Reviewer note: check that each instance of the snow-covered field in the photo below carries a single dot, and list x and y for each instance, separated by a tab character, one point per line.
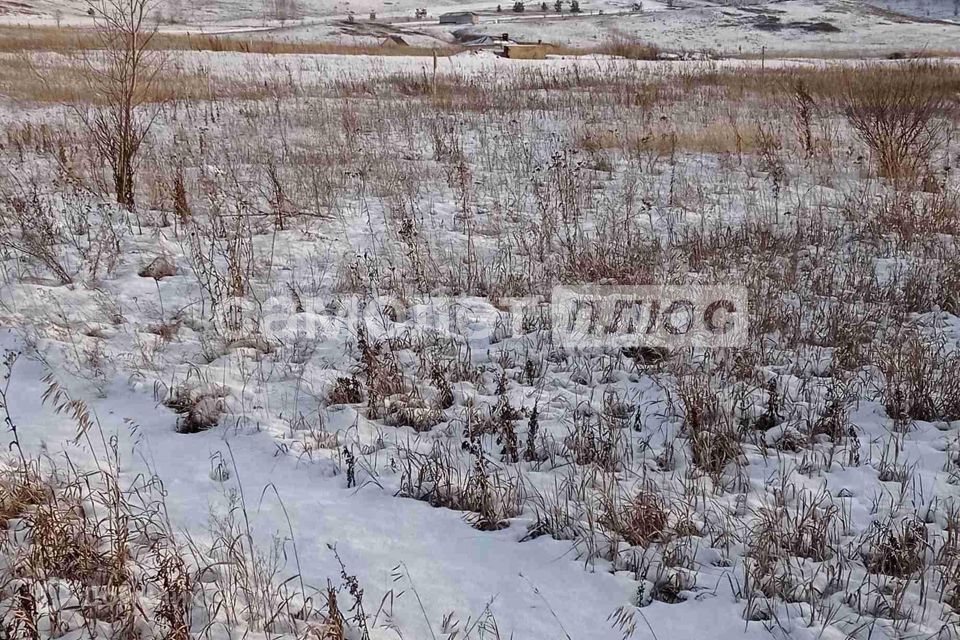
301	348
809	27
932	9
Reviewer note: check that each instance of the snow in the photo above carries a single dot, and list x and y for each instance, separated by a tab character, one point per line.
859	28
281	441
536	589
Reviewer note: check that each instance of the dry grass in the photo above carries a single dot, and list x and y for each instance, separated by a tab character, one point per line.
82	550
61	81
619	45
21	39
489	497
825	82
715	138
898	53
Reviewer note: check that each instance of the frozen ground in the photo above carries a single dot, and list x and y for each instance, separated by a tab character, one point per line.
455	568
803	485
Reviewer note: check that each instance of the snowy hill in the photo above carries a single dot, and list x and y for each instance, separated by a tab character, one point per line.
850	27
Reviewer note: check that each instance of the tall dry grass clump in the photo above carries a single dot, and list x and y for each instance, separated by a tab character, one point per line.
87	553
631	48
17	39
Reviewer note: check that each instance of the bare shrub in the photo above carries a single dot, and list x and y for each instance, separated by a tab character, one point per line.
122	72
902	113
40	234
69	233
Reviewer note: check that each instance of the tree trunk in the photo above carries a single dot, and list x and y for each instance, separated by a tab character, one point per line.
123	179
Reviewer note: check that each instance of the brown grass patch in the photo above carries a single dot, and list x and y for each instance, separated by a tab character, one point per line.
714	138
18	39
618	45
61	81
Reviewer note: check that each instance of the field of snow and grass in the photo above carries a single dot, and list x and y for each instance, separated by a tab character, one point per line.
288	392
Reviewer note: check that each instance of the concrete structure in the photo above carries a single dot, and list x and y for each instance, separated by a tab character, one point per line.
459	17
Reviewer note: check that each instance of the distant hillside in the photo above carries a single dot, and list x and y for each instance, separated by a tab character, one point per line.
934	9
834	27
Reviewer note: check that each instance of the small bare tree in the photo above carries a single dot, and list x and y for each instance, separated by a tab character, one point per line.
904	114
121	76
